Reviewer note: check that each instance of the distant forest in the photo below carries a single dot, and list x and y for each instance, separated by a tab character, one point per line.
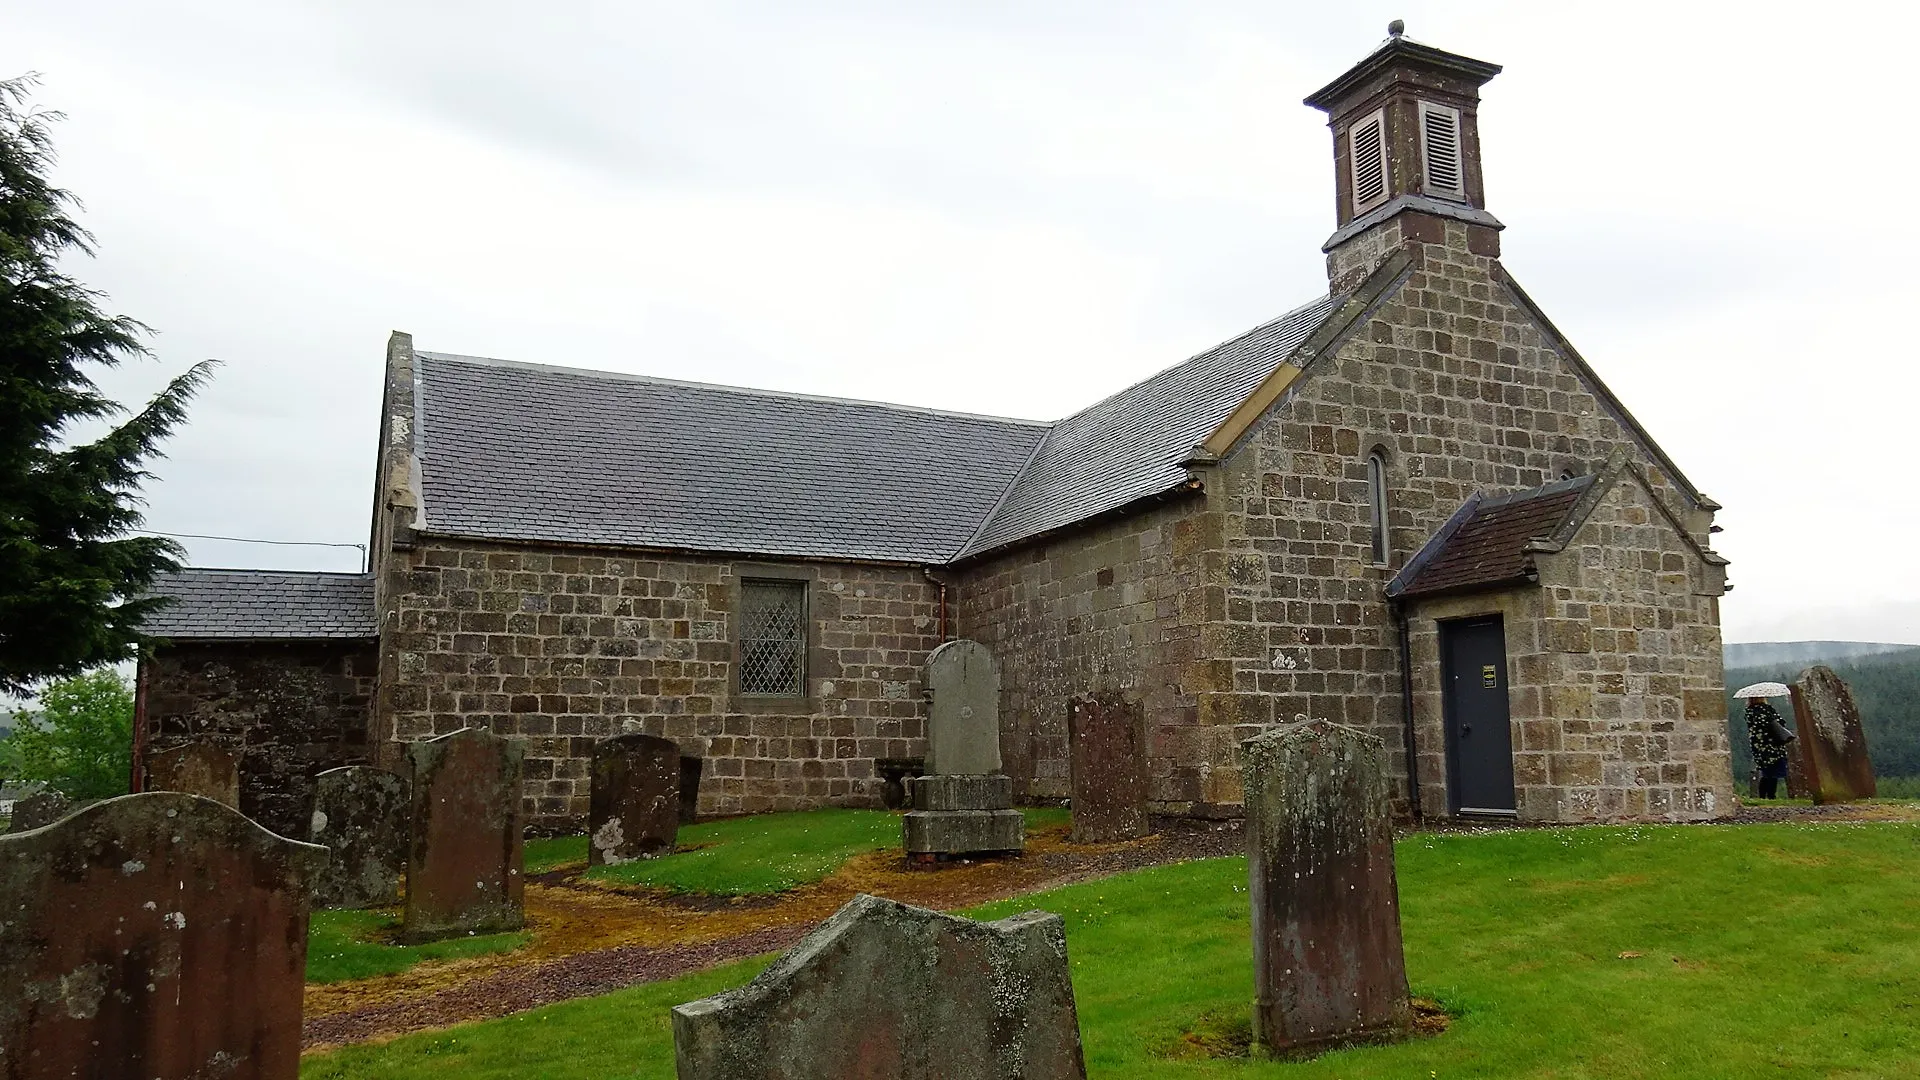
1885	686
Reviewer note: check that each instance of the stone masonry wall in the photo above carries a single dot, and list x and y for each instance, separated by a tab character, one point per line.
288	711
1464	391
560	646
1615	666
1113	608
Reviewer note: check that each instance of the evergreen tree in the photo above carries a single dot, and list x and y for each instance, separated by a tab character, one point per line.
71	577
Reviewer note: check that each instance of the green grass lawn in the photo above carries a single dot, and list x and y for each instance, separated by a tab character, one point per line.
344	945
768	853
1762	950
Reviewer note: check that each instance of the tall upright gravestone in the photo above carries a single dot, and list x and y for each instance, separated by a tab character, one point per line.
360	814
465	854
153	935
1831	745
197	768
38	811
1107	751
965	803
1328	967
884	990
633	806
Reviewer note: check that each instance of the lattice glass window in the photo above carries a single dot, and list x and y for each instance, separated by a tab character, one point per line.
773	638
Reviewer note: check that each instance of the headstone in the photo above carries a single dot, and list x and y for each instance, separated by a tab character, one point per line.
360	814
963	719
1831	745
464	861
690	769
1327	960
894	775
882	989
1107	751
197	768
39	810
153	935
633	809
965	804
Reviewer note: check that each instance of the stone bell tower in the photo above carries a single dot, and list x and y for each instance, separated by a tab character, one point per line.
1406	152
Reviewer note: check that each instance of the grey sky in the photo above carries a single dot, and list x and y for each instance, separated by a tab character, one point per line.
1011	208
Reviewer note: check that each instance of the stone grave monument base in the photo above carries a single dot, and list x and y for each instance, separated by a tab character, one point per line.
963	815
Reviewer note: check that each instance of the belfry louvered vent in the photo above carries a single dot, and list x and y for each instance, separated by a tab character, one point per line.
1440	145
1368	140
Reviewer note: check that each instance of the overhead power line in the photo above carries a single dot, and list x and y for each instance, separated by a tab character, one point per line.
361	548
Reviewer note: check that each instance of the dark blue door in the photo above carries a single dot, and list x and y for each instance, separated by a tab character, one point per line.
1473	669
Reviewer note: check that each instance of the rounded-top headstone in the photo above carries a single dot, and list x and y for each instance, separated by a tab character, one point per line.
963	719
634	799
360	814
158	934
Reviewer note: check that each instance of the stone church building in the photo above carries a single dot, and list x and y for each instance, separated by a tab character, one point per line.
1408	505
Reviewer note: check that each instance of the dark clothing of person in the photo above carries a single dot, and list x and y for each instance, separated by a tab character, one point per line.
1764	728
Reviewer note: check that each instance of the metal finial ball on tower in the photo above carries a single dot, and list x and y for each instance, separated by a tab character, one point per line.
1396	28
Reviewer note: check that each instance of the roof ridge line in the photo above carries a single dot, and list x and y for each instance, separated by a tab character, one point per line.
255	570
754	391
1209	351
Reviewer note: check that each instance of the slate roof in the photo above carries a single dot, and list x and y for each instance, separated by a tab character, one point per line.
1485	543
514	451
1131	445
262	605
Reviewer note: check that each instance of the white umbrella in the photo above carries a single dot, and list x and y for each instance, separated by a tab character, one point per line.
1762	689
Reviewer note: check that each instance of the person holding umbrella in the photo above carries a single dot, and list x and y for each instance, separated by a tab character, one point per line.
1767	734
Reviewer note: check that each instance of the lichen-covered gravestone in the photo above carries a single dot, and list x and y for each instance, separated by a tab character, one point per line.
39	810
1328	967
884	990
634	799
360	814
1107	748
197	768
154	935
1831	745
464	862
965	803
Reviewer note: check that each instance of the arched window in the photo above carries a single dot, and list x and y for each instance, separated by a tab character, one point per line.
1377	504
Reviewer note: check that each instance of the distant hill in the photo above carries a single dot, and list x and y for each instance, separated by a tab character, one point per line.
1756	653
1885	684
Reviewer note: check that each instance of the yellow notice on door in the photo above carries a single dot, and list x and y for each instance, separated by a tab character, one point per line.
1489	676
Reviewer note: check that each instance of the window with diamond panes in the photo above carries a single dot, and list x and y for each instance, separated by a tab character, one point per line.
773	637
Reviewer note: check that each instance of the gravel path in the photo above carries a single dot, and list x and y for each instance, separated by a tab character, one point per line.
515	988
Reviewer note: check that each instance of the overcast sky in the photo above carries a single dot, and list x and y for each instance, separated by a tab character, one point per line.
1010	208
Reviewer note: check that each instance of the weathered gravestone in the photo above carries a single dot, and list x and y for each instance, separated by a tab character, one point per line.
360	814
197	768
690	768
155	935
884	990
1107	750
1327	962
965	804
633	807
39	810
464	861
1831	746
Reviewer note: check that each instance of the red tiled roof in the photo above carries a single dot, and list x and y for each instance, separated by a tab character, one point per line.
1490	546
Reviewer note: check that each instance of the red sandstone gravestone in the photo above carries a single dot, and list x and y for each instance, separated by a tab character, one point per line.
1107	751
197	768
463	869
634	799
1831	745
884	991
158	935
360	814
1328	967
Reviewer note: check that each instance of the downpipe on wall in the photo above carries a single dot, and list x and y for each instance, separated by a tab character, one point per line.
1406	708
